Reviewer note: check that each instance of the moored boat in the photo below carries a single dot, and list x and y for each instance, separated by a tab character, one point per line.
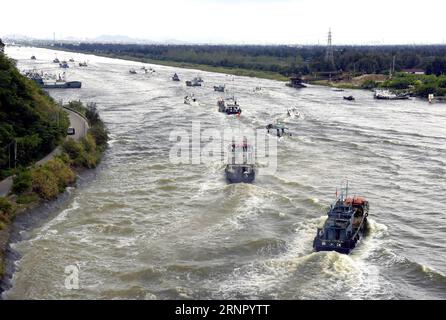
175	77
296	82
60	83
389	95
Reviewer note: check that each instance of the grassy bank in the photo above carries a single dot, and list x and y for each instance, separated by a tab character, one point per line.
33	185
420	85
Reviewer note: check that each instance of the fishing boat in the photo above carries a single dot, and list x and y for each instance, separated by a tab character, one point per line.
345	225
221	105
279	129
64	65
59	83
71	60
257	89
219	88
190	99
175	77
389	95
56	60
82	64
132	71
296	82
349	98
233	110
33	57
293	112
193	83
241	166
231	107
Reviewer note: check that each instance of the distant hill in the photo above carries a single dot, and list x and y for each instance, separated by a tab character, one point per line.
29	119
118	39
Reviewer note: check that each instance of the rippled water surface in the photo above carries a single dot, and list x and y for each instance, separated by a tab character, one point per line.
143	228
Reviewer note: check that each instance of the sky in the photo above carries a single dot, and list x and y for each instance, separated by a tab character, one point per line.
230	21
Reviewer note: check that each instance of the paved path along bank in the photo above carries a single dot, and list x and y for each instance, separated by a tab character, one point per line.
80	126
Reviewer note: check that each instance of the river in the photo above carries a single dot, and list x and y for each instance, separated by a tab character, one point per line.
144	228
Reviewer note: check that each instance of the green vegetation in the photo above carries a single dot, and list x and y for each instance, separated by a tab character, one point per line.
22	181
7	211
88	150
421	85
52	178
30	121
282	60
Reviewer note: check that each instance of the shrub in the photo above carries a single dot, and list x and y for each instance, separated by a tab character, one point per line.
100	135
73	149
27	198
88	143
7	210
62	172
426	89
440	92
5	206
369	84
22	182
45	183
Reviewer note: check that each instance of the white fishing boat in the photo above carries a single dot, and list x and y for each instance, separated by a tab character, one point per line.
190	100
293	112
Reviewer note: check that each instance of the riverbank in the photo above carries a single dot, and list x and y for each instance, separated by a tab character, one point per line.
35	186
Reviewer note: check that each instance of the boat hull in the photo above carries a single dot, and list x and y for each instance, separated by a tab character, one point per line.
344	247
64	85
238	174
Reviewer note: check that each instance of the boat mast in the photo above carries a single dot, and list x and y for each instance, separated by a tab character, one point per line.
346	190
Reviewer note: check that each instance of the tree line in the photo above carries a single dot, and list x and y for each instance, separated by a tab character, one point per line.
286	60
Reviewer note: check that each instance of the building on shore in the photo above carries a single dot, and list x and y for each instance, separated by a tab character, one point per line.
413	71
